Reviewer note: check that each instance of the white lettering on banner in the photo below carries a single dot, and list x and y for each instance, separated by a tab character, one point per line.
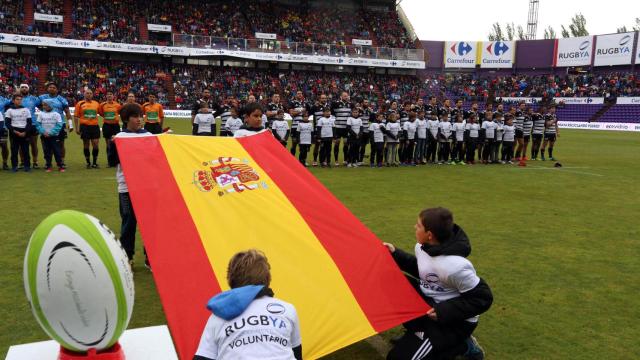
574	51
599	126
579	100
159	28
361	42
266	36
497	54
183	51
460	54
628	100
47	17
614	49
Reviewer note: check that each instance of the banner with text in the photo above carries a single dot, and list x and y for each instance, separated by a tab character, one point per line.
266	36
159	28
628	100
573	51
183	51
497	54
599	126
580	100
460	54
47	17
614	49
361	42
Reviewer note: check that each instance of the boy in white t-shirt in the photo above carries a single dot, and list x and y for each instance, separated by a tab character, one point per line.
447	281
393	130
324	129
377	129
234	123
444	135
280	128
204	124
305	137
422	128
458	130
354	131
243	324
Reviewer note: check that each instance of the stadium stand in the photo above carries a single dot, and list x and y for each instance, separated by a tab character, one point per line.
11	16
114	21
15	70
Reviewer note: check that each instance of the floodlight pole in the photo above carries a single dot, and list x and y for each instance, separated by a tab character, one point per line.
532	21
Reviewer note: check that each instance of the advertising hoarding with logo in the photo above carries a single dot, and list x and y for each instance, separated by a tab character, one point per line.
497	54
573	51
614	49
460	54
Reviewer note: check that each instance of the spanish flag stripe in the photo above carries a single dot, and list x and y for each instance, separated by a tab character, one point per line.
181	269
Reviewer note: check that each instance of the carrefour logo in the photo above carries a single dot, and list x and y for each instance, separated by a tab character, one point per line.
461	48
497	48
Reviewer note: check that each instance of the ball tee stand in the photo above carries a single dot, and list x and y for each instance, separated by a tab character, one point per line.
113	353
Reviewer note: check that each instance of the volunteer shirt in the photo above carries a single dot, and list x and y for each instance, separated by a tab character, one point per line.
355	123
258	333
458	129
205	122
445	130
410	127
445	277
326	126
306	131
422	126
153	113
509	133
376	129
58	103
394	129
110	112
233	124
17	118
280	127
473	129
49	122
490	129
87	112
433	126
122	184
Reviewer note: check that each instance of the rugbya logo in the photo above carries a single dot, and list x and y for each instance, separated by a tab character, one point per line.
581	53
584	45
497	48
461	48
621	50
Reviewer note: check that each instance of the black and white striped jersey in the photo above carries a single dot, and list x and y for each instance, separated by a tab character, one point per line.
519	120
297	105
341	110
550	123
538	124
527	125
366	116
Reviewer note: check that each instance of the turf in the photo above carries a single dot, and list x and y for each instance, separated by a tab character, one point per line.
559	247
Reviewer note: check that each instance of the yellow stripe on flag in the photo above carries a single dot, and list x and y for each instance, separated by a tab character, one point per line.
303	272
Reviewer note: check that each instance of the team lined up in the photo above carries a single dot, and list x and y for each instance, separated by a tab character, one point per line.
21	125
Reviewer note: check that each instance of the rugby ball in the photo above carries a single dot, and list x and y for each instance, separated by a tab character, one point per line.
78	280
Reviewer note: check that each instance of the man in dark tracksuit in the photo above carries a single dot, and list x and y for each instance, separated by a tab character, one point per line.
447	281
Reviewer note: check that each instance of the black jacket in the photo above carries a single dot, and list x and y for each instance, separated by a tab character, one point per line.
471	303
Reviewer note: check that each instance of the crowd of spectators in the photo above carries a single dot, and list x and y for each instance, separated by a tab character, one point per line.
114	21
51	7
11	16
388	29
75	75
16	70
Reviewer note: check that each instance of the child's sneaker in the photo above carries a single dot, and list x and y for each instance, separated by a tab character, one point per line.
5	167
348	165
474	350
62	169
35	165
47	169
552	158
315	163
510	162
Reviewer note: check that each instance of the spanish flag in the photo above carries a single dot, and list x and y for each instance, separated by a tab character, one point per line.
199	200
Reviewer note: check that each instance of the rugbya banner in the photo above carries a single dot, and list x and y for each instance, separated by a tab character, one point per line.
614	49
497	54
573	51
460	54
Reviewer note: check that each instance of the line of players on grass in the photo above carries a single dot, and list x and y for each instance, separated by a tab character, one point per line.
21	126
415	134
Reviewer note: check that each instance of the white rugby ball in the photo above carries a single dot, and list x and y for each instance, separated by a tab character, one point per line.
78	280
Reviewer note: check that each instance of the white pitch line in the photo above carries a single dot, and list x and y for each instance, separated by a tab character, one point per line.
565	169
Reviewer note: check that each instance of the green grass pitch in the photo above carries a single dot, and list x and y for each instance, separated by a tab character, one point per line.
559	247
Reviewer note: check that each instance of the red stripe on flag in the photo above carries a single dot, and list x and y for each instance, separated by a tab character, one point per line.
185	282
382	291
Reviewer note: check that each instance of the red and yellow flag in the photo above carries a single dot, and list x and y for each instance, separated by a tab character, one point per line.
199	200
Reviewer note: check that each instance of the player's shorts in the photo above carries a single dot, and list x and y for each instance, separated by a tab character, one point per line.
341	133
110	130
519	134
89	132
536	136
550	137
62	135
526	138
33	131
153	128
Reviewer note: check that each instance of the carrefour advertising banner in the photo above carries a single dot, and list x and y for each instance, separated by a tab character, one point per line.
614	49
573	51
460	54
497	54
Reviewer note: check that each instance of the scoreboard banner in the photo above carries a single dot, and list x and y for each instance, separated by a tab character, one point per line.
497	54
614	49
184	51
